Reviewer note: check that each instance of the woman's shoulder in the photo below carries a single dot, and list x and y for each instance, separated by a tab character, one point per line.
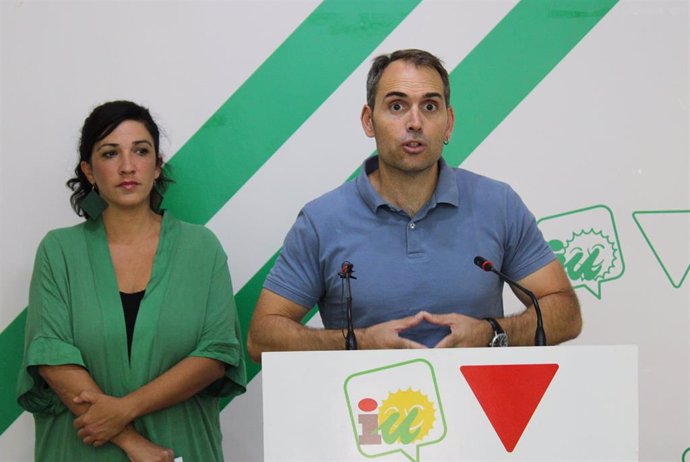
65	235
192	233
62	244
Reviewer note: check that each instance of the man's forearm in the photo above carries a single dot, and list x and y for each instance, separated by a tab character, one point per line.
280	333
277	333
561	318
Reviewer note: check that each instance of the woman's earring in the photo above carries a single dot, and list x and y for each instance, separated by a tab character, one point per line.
93	204
156	198
446	141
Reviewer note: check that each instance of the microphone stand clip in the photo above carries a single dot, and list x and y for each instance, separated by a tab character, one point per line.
345	272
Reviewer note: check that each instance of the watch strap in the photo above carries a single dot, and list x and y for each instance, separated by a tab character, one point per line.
495	325
500	338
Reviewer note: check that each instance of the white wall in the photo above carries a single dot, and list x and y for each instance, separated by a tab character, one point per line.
609	125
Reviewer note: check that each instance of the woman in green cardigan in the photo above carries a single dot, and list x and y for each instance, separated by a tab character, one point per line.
132	332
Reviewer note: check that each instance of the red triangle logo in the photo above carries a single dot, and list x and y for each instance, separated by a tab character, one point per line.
509	395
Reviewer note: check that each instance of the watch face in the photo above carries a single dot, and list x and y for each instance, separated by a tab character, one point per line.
500	340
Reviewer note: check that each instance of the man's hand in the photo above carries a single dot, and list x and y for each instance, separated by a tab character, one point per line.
386	335
276	326
107	417
465	331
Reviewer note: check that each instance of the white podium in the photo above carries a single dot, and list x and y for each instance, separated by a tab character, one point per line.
565	403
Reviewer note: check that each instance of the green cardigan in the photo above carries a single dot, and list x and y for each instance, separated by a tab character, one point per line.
75	316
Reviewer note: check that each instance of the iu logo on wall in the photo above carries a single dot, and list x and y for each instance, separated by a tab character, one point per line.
586	243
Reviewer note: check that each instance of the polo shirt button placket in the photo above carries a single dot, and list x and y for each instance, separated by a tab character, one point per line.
414	240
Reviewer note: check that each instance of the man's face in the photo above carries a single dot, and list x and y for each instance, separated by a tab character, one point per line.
410	119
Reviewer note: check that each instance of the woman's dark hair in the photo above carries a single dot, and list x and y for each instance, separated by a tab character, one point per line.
101	123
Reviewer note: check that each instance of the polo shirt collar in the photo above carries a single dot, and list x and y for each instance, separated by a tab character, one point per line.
446	189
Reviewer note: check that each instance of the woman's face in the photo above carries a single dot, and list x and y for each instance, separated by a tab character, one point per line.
124	166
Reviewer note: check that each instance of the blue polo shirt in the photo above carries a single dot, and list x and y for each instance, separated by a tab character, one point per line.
406	264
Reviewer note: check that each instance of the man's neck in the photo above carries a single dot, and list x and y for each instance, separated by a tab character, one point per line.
408	191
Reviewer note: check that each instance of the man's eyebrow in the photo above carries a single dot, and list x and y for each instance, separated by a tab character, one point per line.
397	94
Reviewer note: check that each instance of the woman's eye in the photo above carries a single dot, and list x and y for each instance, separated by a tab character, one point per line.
109	154
142	151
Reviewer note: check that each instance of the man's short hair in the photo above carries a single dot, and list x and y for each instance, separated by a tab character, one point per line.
419	58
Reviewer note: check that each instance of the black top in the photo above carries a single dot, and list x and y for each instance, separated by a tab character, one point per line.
130	304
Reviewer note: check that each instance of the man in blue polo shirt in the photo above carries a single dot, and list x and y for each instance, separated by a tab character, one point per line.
412	226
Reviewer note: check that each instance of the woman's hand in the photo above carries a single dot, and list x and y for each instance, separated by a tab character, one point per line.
139	449
146	451
106	417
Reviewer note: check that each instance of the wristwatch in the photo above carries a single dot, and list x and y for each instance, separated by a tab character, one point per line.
500	337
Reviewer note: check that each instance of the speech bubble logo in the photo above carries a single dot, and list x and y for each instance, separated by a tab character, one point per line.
395	408
586	243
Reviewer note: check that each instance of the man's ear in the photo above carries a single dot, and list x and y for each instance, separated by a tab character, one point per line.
451	123
368	121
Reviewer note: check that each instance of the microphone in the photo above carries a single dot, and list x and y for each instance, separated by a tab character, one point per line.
486	265
346	270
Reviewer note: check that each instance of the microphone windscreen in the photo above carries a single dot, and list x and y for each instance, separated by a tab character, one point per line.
483	263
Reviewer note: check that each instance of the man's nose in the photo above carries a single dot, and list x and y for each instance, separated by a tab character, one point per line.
414	120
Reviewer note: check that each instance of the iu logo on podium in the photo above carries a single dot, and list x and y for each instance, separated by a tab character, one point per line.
397	408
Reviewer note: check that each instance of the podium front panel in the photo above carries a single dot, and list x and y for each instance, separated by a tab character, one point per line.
566	403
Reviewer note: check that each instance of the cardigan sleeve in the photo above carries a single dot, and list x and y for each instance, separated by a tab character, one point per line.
221	338
48	335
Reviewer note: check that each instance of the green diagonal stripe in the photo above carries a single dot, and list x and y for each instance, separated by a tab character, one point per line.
246	298
11	348
511	61
276	100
